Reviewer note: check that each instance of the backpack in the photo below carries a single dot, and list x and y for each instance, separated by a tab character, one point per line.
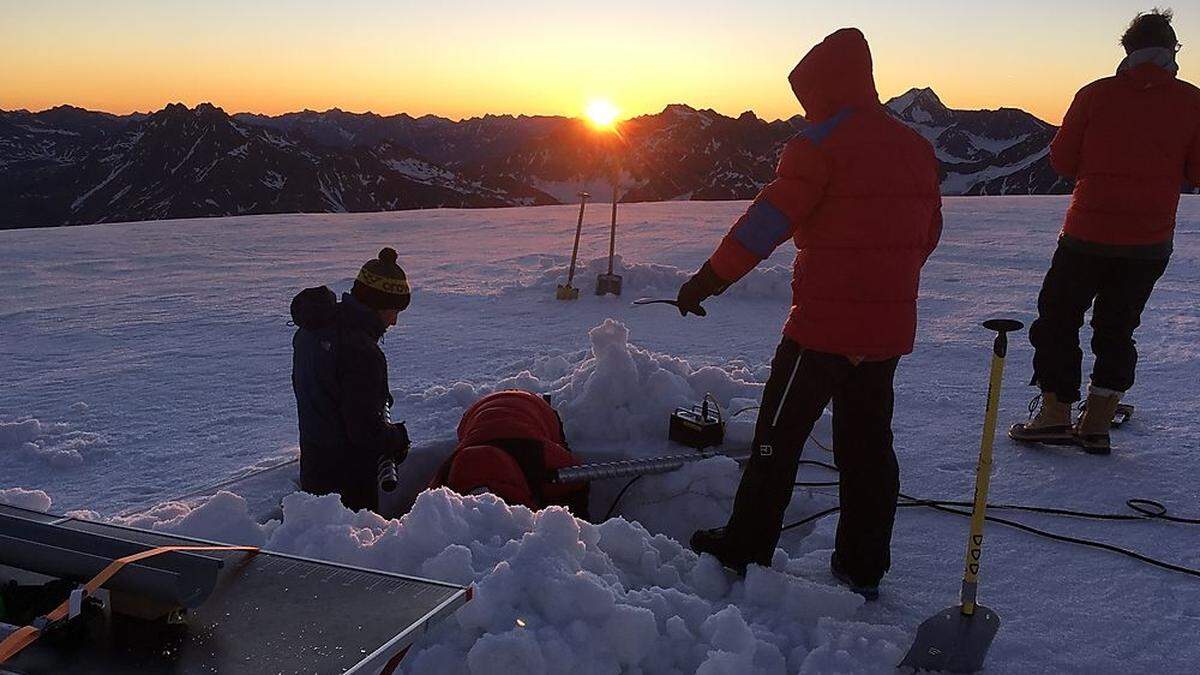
314	308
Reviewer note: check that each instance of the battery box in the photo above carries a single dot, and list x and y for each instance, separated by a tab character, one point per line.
697	427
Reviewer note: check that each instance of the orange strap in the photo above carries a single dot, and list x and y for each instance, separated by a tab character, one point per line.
26	635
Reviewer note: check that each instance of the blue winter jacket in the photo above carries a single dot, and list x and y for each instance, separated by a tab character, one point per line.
340	378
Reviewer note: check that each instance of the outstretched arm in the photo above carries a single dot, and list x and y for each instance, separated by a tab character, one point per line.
777	213
779	210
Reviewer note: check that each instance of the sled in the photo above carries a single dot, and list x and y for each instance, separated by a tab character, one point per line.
182	606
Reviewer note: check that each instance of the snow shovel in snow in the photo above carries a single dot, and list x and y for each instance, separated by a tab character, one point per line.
956	639
610	283
567	291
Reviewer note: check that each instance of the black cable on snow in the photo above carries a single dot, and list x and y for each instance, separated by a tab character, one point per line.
1145	509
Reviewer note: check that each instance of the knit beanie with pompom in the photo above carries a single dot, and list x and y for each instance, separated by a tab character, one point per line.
381	283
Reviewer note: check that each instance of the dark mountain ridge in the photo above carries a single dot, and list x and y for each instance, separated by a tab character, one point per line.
68	165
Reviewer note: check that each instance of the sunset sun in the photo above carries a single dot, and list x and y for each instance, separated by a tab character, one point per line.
601	113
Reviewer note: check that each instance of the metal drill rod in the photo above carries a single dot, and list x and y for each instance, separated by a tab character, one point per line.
641	466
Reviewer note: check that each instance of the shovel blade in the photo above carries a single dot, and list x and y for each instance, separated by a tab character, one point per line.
952	641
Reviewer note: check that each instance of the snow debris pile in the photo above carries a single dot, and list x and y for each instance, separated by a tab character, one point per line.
35	500
618	391
224	517
55	443
638	279
554	594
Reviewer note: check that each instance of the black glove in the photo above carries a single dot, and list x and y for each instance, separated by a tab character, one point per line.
703	285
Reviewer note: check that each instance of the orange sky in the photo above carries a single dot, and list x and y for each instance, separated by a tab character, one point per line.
461	58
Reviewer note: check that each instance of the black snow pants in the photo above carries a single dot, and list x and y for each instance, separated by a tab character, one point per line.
799	387
1120	288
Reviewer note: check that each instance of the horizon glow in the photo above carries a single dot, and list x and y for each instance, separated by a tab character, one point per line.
466	58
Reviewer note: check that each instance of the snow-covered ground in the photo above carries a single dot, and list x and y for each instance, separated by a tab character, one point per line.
143	361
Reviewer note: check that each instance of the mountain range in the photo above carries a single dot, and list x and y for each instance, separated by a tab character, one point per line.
67	166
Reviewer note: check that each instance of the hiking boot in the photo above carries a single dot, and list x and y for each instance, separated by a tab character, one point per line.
1091	432
869	592
718	543
1050	424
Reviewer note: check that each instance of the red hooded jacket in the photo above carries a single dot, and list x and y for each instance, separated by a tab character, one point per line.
505	442
1130	141
858	193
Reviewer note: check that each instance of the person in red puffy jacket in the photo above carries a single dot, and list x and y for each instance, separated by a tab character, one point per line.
858	193
1130	141
509	442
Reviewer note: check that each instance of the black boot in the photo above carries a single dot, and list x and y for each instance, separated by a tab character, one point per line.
718	543
868	591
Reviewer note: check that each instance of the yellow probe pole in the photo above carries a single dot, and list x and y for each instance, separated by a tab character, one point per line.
957	638
983	471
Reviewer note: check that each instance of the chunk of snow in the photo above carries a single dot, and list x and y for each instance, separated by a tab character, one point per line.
35	500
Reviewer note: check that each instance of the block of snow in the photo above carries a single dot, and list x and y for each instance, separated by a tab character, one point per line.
35	500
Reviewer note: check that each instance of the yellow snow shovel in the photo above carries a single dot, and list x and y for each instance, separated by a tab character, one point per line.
956	639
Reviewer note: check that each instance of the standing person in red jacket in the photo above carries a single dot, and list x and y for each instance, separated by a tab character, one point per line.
858	193
1130	141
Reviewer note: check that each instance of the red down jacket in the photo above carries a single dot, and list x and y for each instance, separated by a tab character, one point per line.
858	193
507	442
1130	141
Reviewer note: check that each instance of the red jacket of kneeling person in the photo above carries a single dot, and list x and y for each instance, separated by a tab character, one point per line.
1130	141
507	442
858	193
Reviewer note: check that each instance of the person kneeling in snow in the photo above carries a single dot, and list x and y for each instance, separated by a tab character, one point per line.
858	193
340	377
509	442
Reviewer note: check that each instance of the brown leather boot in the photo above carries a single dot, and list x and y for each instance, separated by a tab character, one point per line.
1051	424
1091	432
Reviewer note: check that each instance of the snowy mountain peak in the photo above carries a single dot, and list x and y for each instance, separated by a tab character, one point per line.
921	106
680	110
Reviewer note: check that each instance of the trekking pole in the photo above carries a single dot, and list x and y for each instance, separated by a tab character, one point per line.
567	291
957	639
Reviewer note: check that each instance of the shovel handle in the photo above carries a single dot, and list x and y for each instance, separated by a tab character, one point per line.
983	471
612	235
583	197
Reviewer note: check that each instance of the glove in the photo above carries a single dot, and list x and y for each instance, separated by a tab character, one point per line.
703	285
691	294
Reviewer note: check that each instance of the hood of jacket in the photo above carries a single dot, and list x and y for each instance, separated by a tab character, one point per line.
835	74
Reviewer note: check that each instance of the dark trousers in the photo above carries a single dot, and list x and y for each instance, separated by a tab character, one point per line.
1120	288
799	387
335	470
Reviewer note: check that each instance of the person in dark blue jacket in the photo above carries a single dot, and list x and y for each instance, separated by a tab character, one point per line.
340	377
